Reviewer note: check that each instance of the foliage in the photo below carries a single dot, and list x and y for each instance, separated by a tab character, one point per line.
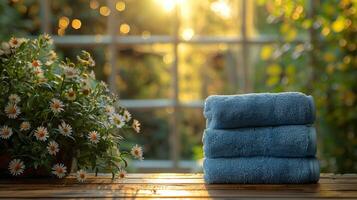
331	72
68	113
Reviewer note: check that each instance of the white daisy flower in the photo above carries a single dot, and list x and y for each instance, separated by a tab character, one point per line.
59	170
41	133
122	173
94	137
127	116
52	148
25	126
12	111
5	132
65	129
117	120
16	167
136	125
71	95
86	90
14	98
16	42
70	72
56	106
36	63
109	109
48	38
137	152
81	175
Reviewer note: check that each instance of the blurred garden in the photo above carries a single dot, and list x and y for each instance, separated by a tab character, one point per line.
164	57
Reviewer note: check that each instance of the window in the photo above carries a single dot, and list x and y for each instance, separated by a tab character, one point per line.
163	58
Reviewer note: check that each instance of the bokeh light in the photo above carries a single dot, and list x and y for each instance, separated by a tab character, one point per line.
63	22
104	10
124	28
93	4
120	6
76	24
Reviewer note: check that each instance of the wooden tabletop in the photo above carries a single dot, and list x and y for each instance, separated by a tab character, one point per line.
174	185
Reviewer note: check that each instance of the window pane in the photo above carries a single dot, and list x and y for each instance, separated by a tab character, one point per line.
191	126
145	17
208	69
78	17
154	135
279	68
268	20
144	71
219	17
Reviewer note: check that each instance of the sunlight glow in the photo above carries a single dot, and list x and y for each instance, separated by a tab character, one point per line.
169	5
187	33
221	8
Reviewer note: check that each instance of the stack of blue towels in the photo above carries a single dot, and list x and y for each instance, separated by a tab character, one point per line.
260	138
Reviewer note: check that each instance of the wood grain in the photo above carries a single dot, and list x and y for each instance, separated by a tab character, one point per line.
174	185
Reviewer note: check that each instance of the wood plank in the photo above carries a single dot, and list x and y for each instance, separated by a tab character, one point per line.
172	185
308	187
72	193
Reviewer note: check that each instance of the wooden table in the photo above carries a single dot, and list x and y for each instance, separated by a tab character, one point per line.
174	185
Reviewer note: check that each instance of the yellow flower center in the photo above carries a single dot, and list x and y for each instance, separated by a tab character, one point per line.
6	132
35	63
17	167
41	134
12	110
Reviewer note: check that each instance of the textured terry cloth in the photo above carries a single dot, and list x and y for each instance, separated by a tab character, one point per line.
276	141
255	170
259	109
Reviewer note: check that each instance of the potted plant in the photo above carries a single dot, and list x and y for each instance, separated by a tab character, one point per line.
55	113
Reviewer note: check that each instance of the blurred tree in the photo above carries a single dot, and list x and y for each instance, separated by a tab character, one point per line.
15	19
331	73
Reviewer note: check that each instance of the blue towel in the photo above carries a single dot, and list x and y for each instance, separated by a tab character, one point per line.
276	141
259	109
255	170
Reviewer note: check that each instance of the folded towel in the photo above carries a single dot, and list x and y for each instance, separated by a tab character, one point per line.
256	170
258	109
276	141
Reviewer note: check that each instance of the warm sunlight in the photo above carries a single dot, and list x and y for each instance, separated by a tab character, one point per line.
187	33
221	8
169	5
